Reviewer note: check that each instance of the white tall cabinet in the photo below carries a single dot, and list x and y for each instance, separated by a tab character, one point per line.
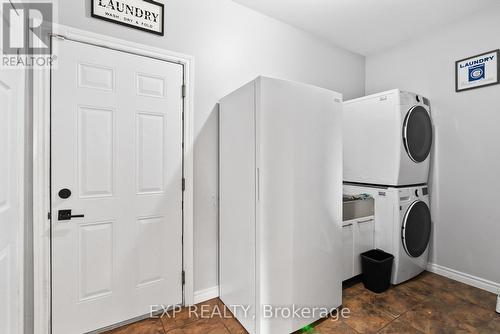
280	203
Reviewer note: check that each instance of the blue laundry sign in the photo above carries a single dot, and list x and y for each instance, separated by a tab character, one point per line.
477	71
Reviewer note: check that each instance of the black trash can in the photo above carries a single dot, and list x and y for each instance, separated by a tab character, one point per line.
377	267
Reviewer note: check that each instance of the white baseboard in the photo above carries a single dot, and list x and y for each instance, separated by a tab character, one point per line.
206	294
456	275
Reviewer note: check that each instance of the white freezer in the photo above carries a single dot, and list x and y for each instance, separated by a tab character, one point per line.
280	202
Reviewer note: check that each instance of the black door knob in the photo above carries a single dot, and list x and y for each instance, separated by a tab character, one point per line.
64	193
67	215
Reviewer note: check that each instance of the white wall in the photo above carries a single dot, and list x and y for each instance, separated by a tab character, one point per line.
465	177
231	45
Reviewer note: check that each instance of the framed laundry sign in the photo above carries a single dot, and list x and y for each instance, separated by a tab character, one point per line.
146	15
477	71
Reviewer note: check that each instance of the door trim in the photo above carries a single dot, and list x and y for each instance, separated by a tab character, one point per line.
19	145
41	166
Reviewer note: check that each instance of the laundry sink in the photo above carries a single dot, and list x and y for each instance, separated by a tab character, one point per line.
357	206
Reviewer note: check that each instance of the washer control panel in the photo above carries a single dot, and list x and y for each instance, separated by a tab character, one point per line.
407	194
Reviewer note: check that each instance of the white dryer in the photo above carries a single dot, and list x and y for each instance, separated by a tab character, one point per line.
402	226
387	139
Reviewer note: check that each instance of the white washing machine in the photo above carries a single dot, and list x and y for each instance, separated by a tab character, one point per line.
387	139
412	233
402	226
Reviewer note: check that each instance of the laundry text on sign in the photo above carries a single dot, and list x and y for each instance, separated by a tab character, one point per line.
146	15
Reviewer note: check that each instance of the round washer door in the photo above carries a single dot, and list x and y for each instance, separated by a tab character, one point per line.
416	229
417	133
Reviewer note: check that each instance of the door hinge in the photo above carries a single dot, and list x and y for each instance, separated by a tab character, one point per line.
49	216
183	184
183	90
183	277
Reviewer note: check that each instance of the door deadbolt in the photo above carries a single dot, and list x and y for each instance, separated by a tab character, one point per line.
64	193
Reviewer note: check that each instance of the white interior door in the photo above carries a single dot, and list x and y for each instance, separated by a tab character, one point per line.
11	173
117	161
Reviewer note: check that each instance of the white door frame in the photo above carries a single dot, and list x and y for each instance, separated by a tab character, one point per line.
41	166
19	145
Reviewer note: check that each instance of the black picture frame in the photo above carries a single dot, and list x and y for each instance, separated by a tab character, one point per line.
497	51
159	33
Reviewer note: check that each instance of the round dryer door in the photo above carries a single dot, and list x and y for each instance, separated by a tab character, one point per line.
417	133
416	230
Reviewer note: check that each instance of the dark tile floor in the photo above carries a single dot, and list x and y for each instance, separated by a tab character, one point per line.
427	304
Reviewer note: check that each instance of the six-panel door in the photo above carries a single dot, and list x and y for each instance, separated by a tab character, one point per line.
117	152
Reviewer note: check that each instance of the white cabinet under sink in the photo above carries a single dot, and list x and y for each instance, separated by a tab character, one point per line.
347	251
358	236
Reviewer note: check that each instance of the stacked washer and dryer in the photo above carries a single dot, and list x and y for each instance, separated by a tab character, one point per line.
387	144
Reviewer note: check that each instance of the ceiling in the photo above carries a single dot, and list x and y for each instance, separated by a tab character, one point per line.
368	26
